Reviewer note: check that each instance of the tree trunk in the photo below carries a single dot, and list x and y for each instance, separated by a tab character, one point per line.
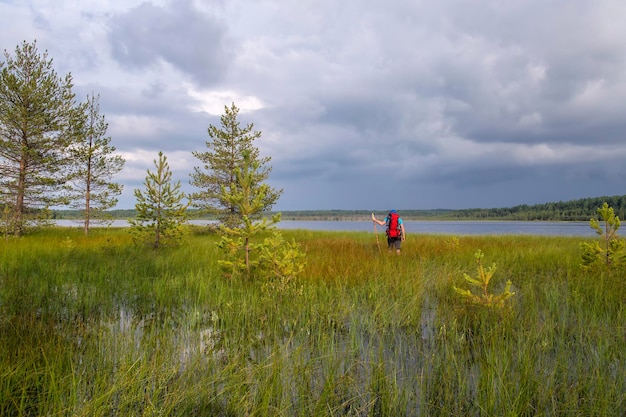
247	257
19	203
87	198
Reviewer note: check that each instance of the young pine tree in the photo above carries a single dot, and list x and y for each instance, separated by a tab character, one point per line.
611	251
271	257
224	156
161	214
481	282
91	189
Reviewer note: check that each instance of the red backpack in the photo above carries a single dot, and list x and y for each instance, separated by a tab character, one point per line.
393	225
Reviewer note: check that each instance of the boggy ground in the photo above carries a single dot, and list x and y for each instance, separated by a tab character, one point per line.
99	326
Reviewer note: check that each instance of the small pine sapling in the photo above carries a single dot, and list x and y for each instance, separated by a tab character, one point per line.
481	282
161	213
242	254
611	250
247	199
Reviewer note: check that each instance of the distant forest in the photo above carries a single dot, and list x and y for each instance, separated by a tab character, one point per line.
574	210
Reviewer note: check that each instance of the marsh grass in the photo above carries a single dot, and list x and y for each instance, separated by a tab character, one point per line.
98	326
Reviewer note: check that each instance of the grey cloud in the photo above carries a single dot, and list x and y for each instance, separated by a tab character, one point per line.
484	55
506	73
498	175
443	100
359	111
153	116
477	176
186	38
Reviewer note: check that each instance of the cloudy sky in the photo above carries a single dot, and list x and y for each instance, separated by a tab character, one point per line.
362	104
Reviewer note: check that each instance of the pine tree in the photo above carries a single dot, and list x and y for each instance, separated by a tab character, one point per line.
482	280
611	251
38	119
160	211
91	189
220	163
272	257
247	202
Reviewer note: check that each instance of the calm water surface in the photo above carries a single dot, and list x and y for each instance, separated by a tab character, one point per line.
456	227
429	227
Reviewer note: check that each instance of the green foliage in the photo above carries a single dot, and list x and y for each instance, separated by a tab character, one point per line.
91	189
610	251
227	147
233	264
161	214
481	282
280	262
243	255
38	122
241	252
8	221
573	210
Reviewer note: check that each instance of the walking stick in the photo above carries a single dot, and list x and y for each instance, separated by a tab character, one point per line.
376	233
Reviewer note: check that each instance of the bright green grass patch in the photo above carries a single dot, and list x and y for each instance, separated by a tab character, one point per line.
98	326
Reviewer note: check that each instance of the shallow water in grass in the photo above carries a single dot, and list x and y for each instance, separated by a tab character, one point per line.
96	326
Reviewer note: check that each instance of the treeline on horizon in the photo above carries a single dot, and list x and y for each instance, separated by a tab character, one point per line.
574	210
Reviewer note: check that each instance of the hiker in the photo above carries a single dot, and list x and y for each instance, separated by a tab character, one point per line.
395	230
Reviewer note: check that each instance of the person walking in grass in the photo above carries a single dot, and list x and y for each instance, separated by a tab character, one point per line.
395	230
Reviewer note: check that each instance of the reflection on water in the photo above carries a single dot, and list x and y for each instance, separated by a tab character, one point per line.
460	227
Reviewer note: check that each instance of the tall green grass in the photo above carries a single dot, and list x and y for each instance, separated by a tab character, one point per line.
97	326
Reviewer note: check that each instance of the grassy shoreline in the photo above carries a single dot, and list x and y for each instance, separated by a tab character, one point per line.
97	326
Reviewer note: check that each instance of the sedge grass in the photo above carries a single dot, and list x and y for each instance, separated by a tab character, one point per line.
98	326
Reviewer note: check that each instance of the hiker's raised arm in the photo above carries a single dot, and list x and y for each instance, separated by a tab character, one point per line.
375	220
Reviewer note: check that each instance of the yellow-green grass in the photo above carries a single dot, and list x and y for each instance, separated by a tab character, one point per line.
98	326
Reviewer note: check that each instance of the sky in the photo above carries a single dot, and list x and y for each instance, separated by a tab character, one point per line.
361	104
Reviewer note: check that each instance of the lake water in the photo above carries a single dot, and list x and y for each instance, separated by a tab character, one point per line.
457	227
427	227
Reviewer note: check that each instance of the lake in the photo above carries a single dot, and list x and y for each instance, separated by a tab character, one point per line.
460	227
456	227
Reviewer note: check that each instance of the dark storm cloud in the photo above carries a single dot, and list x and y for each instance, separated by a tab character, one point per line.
519	69
458	95
479	176
192	41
